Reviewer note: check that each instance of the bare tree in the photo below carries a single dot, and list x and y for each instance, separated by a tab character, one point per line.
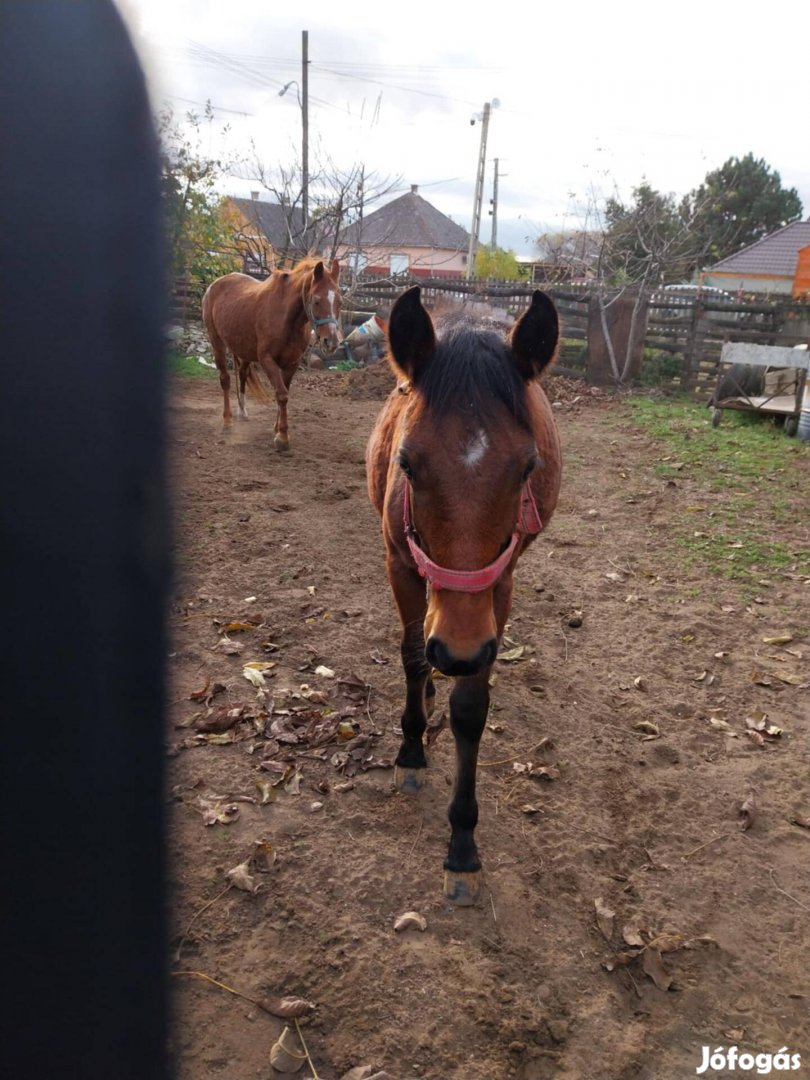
573	252
338	197
643	244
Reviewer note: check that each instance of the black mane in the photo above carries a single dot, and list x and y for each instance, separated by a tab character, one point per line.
472	370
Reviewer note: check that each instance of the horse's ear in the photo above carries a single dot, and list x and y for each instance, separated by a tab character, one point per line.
317	271
410	334
334	270
534	338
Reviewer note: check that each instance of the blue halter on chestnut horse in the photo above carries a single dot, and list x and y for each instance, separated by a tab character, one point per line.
267	323
464	469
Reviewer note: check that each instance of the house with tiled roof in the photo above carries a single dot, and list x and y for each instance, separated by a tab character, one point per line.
265	232
778	263
406	236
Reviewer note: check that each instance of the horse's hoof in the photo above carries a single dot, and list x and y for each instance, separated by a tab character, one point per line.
409	781
282	445
462	889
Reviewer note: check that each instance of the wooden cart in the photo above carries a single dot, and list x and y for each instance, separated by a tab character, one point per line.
761	378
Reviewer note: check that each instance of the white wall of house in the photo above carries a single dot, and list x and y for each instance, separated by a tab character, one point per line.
734	282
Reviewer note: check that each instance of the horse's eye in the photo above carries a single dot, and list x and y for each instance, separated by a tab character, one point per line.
404	464
530	467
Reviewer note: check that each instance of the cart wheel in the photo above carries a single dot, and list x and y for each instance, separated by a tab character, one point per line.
791	425
717	416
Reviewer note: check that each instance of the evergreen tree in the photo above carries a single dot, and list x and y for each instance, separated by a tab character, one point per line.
737	204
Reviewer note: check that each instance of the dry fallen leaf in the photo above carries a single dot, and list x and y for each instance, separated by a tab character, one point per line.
267	791
639	683
324	672
748	812
228	647
647	726
668	941
207	692
512	654
735	1034
215	812
293	785
760	680
632	936
241	877
604	918
255	677
621	959
410	920
222	719
801	819
264	855
653	965
778	639
288	1008
802	681
722	725
540	772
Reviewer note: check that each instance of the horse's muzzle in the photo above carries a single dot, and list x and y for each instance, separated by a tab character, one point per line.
329	339
440	657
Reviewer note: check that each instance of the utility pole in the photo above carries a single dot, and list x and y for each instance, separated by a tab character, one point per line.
494	211
479	192
305	125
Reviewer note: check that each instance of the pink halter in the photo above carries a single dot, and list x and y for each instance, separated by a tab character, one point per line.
471	581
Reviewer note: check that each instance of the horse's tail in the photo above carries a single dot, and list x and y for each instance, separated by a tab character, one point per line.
258	385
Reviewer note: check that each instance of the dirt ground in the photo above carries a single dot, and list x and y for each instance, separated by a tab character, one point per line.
642	820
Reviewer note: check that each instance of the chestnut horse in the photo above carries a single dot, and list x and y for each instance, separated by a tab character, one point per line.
464	469
268	323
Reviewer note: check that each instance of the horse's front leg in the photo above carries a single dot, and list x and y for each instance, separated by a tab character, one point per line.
409	593
281	439
242	368
469	703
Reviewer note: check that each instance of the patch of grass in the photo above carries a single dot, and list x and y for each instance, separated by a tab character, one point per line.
346	365
190	367
753	470
736	555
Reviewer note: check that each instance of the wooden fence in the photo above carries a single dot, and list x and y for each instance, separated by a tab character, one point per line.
685	332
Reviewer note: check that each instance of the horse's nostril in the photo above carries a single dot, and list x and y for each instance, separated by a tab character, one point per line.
440	657
436	653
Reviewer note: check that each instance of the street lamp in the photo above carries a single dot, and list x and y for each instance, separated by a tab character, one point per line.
303	92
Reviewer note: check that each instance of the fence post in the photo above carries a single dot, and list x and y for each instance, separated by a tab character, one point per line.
690	354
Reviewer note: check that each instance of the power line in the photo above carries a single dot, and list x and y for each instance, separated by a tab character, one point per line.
208	104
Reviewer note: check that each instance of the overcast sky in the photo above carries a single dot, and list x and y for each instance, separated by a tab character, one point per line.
593	97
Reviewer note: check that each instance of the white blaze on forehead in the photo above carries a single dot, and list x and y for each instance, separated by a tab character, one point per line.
330	296
475	449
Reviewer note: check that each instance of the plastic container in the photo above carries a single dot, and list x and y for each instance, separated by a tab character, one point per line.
803	430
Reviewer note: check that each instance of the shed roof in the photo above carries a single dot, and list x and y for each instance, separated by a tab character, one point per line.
409	221
774	255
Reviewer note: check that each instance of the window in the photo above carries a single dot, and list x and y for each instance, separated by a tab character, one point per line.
357	261
399	264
